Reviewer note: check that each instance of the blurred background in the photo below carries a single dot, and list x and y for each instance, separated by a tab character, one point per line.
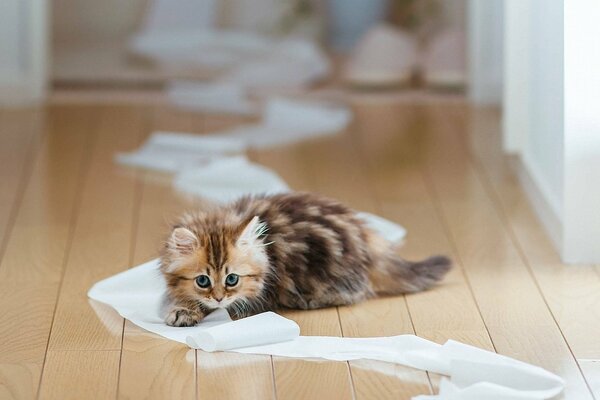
530	59
145	43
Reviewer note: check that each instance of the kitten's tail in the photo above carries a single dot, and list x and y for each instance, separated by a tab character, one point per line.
394	275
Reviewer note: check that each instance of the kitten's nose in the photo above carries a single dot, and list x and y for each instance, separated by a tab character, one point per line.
218	298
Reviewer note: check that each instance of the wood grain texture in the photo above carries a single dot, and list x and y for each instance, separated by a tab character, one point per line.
75	375
102	237
330	380
151	367
513	308
570	291
22	132
230	375
338	172
31	267
392	144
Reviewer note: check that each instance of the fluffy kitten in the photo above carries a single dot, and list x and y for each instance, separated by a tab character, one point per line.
295	250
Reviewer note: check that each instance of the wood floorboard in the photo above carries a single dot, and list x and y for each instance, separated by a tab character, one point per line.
338	171
515	311
151	367
22	132
69	216
231	375
102	239
570	291
82	329
328	380
33	261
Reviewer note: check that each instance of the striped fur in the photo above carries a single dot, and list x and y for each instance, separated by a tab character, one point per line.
296	250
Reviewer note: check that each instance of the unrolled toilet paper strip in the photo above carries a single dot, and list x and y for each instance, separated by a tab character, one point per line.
284	122
226	179
174	152
260	329
290	63
136	294
288	121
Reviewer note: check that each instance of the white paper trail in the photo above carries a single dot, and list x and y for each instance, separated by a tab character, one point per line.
174	152
227	179
162	16
285	122
136	294
248	60
290	63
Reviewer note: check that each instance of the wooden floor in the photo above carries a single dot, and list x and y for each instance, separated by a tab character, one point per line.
69	217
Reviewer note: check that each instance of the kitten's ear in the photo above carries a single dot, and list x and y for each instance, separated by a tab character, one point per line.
183	241
252	232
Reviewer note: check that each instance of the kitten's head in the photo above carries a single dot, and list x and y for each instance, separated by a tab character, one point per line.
215	262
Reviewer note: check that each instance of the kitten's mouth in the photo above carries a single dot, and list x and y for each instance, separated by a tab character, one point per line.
220	304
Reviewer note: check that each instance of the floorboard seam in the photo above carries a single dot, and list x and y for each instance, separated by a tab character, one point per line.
85	162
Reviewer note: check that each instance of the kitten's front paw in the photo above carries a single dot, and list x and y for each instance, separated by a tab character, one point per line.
183	317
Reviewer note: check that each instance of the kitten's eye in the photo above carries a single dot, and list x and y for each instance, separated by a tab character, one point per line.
232	279
203	281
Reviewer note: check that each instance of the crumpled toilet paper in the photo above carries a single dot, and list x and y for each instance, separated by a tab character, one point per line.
284	122
136	294
226	179
174	152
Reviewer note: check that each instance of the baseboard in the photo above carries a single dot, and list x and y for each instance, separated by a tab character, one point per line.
543	208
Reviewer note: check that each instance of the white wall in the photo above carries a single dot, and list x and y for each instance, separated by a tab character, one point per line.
89	20
582	131
516	71
485	25
11	55
23	51
543	149
552	116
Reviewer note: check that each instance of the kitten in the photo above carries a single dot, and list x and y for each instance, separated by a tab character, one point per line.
295	250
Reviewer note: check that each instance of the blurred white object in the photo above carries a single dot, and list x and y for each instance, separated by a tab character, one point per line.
136	294
444	61
226	179
209	97
173	152
227	336
298	18
290	63
384	56
290	121
164	15
349	20
199	47
241	61
284	122
250	60
385	228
